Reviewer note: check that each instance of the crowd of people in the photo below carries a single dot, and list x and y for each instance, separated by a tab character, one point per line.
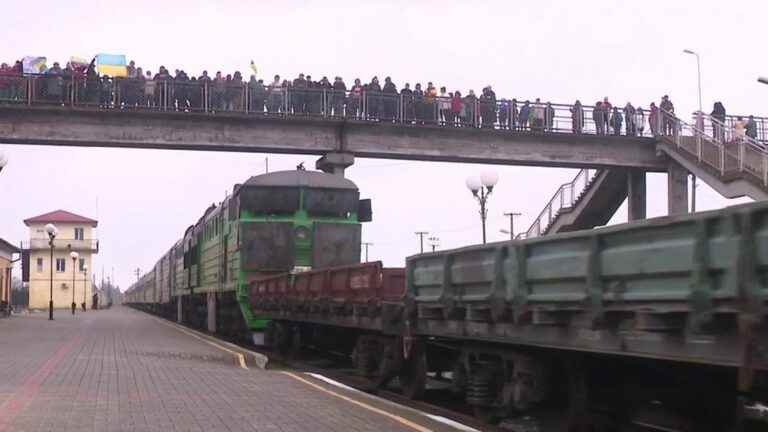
305	96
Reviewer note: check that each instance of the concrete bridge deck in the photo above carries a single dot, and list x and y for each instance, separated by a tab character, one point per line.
263	133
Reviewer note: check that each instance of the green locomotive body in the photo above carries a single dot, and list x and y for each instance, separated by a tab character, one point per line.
285	221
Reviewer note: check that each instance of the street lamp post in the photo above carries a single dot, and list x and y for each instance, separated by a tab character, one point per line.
85	285
74	255
699	119
698	69
51	230
481	189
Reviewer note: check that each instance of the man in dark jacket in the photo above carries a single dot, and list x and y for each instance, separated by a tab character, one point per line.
389	100
577	117
339	94
718	115
616	121
407	95
373	98
297	95
525	113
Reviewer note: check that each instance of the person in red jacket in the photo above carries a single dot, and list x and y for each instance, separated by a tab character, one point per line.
456	104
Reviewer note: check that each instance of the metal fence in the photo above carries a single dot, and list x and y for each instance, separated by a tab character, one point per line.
565	198
724	150
220	96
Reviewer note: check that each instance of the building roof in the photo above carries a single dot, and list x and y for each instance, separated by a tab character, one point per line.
4	245
312	179
61	216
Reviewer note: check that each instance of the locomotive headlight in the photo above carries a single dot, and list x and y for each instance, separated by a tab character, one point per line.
302	233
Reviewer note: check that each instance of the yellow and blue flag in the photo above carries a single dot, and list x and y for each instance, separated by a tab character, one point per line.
34	65
112	65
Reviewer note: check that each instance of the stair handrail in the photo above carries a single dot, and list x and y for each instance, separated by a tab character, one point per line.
750	155
564	198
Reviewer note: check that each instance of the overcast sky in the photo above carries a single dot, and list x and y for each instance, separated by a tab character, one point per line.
556	50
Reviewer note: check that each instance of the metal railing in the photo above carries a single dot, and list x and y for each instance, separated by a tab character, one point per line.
726	151
91	245
219	96
565	198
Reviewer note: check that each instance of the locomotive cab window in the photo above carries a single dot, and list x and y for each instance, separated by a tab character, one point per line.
330	202
269	200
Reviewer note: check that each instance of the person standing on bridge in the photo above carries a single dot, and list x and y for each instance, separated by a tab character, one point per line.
616	120
373	98
549	116
597	117
639	121
456	107
577	117
390	100
525	113
718	120
354	104
514	114
629	116
607	107
339	94
275	96
406	94
667	112
751	127
297	95
418	104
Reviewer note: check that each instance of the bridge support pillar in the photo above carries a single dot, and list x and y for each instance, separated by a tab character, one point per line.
636	195
677	189
179	308
211	312
335	163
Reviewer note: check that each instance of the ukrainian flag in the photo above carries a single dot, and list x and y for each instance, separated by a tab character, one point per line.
111	65
34	65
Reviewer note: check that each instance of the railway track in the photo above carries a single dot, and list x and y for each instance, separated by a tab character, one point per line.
338	367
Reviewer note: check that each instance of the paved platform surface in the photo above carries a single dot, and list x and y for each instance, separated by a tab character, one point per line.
125	370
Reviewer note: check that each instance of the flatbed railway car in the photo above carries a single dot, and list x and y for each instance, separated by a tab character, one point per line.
273	223
654	325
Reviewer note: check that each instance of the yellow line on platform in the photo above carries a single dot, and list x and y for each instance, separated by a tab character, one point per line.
394	417
239	358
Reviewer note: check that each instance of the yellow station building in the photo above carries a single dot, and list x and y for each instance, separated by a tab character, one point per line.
74	233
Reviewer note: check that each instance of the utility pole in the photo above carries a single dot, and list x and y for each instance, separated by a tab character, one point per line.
421	235
511	216
366	244
138	273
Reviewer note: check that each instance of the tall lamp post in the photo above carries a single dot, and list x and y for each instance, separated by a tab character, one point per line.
85	285
481	189
698	70
74	255
3	161
699	121
51	230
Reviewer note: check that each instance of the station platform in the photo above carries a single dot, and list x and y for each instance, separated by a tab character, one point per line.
125	370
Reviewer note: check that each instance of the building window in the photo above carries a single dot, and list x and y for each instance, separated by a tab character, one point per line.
82	264
39	265
61	266
79	233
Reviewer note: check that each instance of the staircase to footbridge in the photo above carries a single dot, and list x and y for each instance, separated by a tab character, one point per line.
340	128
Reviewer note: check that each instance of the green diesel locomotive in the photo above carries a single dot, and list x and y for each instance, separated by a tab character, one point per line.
287	221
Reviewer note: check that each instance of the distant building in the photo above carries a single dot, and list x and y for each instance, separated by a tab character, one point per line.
6	256
75	233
